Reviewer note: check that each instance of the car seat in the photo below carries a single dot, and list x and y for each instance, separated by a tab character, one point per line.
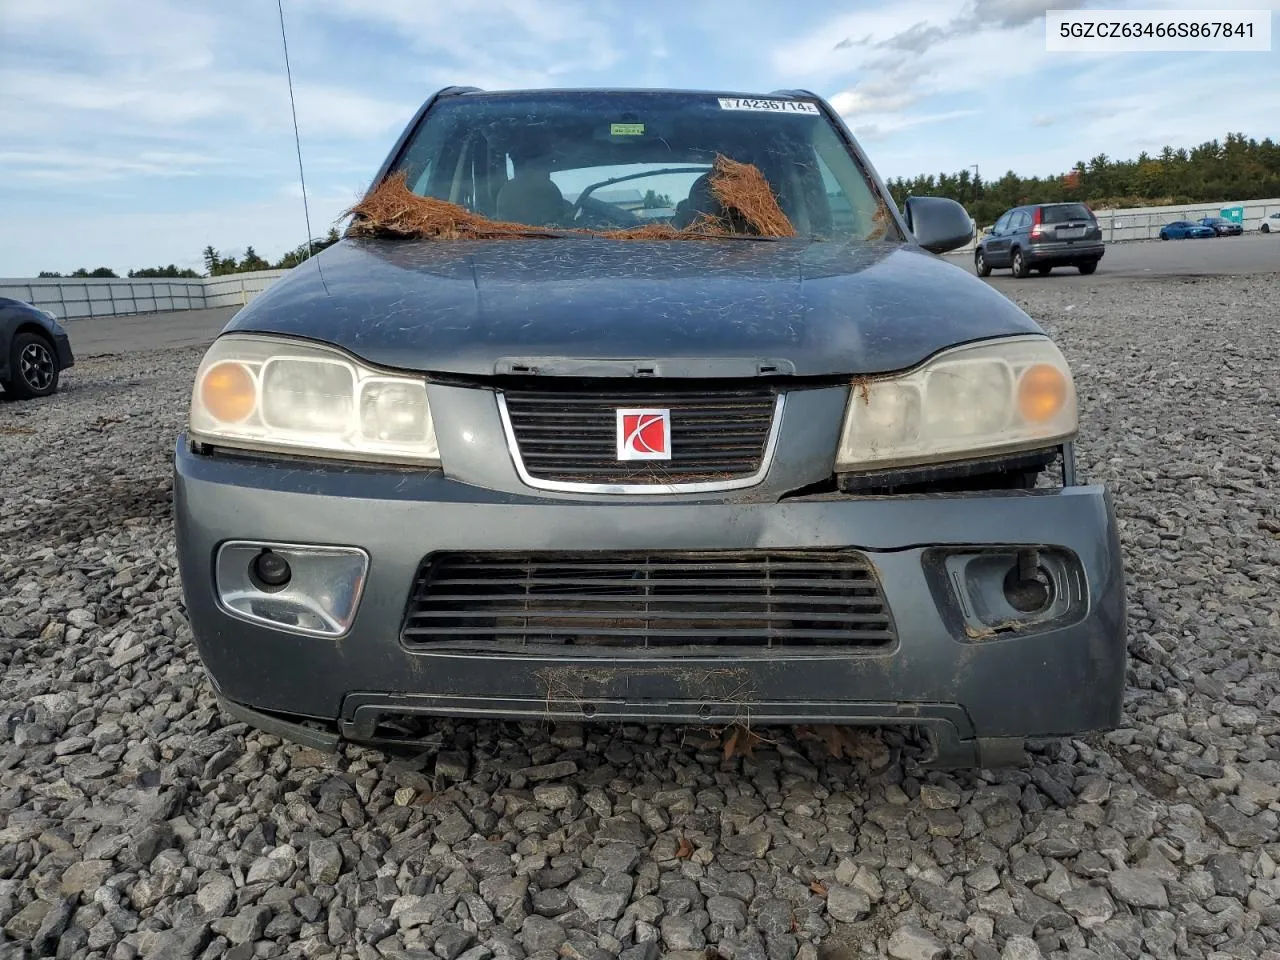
531	198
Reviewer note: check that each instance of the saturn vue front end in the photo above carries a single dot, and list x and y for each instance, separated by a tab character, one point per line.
600	469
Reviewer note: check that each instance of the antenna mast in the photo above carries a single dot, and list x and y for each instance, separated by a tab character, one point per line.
306	210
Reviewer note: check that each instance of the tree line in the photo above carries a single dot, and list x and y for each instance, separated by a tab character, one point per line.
215	264
1237	168
106	273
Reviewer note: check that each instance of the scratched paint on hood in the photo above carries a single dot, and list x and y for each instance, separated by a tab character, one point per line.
460	306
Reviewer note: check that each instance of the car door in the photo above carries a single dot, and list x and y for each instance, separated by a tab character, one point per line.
997	244
1019	232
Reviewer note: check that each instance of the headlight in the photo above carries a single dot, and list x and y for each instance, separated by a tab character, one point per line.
283	395
994	397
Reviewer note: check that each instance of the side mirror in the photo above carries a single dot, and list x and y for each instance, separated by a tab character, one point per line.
939	224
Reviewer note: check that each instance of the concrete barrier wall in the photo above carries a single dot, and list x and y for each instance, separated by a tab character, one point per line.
81	299
239	288
77	298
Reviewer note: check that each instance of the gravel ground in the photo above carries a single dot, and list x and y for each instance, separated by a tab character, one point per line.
137	821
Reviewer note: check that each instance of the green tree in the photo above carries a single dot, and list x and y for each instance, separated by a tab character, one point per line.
251	262
1235	168
97	273
655	201
170	271
300	253
214	265
48	273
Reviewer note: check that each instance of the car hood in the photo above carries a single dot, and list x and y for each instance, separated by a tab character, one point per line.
480	307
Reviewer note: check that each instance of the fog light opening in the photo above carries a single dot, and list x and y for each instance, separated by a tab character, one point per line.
270	572
1027	586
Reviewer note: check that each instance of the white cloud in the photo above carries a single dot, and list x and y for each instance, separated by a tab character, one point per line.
494	44
330	111
122	239
146	129
81	167
880	128
902	66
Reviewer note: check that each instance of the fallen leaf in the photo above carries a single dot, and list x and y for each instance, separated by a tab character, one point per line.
739	742
730	744
853	743
685	849
818	888
834	737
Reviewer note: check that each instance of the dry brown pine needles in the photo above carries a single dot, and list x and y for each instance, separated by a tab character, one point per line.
392	210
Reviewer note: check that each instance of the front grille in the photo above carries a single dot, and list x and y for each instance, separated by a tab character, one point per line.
784	598
570	436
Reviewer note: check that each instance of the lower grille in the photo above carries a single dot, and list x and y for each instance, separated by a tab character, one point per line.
570	436
759	599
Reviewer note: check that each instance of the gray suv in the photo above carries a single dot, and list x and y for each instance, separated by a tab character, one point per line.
1040	237
520	447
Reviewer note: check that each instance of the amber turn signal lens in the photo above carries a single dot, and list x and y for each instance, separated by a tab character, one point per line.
227	392
1042	391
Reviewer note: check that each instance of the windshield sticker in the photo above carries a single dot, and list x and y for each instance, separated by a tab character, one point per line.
769	106
626	129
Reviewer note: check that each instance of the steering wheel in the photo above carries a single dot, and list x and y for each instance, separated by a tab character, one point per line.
582	197
598	218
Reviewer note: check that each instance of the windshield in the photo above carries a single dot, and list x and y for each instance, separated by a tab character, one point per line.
564	161
1064	212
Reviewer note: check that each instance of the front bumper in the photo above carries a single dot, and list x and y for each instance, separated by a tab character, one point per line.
974	694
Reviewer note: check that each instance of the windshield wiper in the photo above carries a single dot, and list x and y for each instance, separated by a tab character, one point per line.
735	236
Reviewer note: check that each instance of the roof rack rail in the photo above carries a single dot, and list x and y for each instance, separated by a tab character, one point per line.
455	91
793	93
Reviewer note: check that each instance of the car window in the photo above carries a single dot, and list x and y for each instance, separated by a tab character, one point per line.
1003	223
1021	219
608	159
1064	212
843	217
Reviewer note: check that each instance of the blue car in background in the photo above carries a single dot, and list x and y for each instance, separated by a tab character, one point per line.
1185	229
1222	227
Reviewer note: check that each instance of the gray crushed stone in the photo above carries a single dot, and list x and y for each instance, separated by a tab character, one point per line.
138	821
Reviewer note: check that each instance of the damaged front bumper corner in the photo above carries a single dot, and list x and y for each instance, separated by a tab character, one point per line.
958	663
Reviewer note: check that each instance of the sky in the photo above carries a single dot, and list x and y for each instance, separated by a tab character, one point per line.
137	132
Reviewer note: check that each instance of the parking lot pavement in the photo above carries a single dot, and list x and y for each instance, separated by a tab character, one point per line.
101	336
1247	255
135	818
